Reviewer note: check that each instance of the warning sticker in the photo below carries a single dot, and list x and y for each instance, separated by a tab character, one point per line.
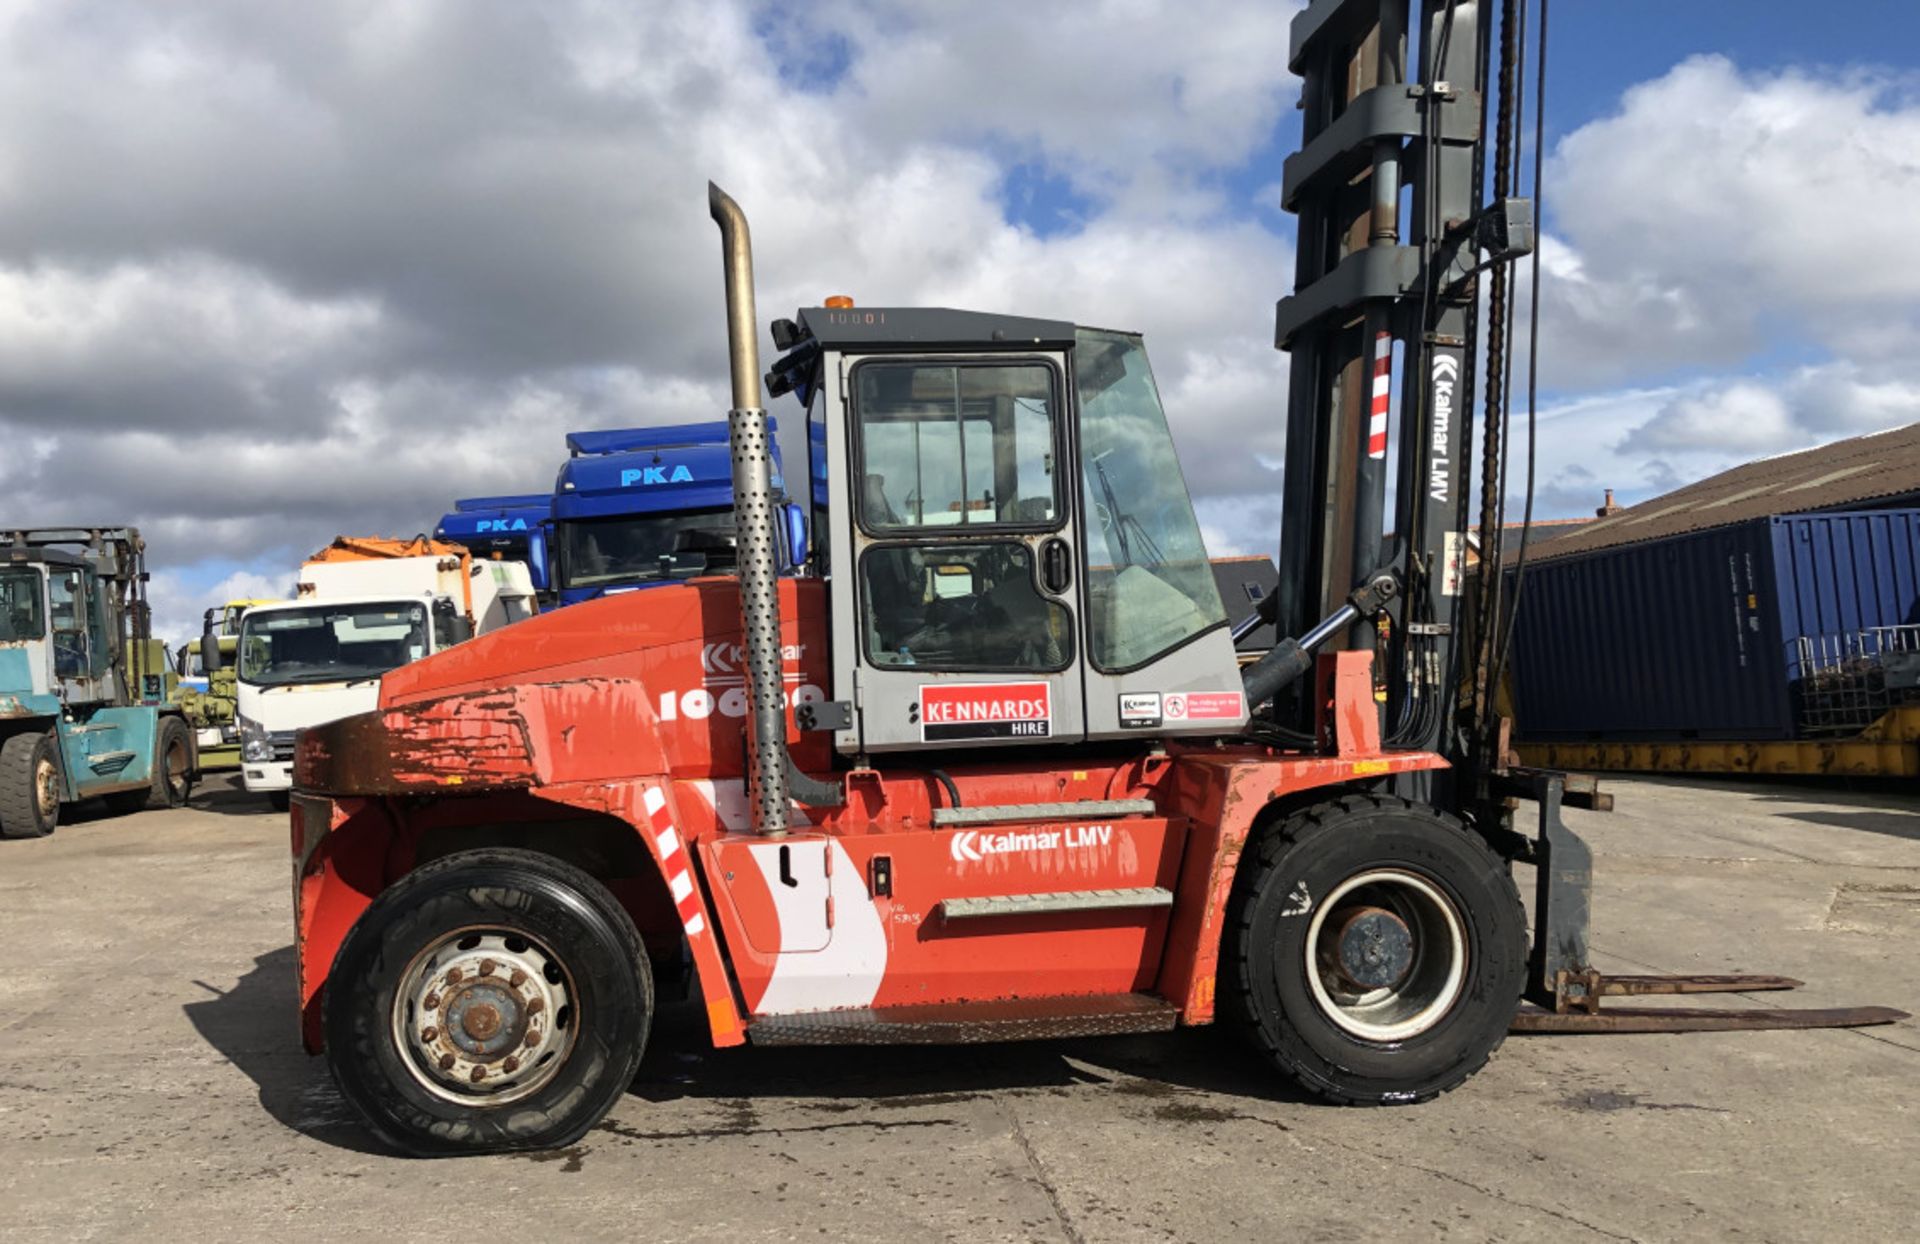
949	712
1204	706
1139	709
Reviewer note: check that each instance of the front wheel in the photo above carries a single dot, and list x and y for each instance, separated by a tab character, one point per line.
29	786
493	1000
1376	950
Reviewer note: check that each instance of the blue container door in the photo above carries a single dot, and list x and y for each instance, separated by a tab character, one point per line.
1671	639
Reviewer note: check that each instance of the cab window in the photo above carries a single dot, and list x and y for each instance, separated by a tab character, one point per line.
68	601
99	635
956	446
21	616
970	606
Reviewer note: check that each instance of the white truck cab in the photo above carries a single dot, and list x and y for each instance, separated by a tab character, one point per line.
360	608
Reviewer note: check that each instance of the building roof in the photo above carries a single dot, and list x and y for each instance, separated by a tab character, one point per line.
1875	471
1539	531
1244	582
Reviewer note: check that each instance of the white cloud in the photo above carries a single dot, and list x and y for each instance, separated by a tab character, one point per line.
1718	213
1741	418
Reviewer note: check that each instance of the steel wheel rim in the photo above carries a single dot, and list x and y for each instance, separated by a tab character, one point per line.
512	1023
177	770
46	789
1436	971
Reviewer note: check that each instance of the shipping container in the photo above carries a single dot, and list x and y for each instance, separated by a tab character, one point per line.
1707	635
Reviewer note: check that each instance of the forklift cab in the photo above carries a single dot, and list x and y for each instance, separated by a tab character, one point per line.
1011	553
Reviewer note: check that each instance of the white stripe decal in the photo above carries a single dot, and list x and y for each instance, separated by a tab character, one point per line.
653	799
668	842
696	925
681	887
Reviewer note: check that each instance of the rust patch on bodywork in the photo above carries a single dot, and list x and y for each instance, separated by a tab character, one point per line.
501	739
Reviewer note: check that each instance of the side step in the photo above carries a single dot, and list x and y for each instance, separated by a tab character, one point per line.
1073	810
952	909
968	1023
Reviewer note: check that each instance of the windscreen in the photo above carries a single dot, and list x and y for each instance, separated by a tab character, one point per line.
1148	578
512	547
21	615
648	548
330	643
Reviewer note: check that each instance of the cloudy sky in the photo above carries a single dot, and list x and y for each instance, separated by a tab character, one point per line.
273	272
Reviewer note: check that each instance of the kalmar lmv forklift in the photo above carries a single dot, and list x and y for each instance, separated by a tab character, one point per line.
987	768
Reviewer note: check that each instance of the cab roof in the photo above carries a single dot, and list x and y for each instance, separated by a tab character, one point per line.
42	555
880	329
920	328
522	501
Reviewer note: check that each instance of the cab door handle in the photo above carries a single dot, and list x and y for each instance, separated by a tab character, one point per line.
1055	566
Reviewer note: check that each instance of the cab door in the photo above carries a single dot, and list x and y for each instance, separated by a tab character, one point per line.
81	647
965	622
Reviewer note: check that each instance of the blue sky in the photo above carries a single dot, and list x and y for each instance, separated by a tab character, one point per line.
385	256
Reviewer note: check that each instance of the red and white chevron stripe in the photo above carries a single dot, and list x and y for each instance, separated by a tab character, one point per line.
1382	387
673	861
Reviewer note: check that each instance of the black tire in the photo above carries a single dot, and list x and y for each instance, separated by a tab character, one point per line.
29	786
280	800
555	913
1278	978
172	765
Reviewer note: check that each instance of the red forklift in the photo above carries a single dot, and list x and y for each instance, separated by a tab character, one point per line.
987	767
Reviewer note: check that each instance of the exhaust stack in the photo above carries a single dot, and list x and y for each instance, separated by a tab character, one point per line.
773	779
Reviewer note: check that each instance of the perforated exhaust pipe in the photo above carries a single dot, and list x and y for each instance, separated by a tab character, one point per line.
773	780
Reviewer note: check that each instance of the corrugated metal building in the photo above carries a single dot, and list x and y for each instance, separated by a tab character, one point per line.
1705	613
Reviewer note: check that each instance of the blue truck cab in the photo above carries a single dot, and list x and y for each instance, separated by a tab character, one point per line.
640	507
83	692
504	529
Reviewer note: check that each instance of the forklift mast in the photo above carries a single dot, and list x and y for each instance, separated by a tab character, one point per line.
1393	231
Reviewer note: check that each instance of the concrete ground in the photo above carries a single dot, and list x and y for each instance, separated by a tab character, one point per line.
151	1084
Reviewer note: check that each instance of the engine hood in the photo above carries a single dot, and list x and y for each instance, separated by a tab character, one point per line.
654	680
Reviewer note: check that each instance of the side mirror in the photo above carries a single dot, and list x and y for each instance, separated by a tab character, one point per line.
449	624
796	535
537	554
211	657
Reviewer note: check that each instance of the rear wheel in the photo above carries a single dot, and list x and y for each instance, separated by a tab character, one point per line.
29	786
1376	950
493	1000
172	765
172	773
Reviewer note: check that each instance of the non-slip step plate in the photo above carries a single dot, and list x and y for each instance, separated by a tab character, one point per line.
967	1023
1047	904
1074	810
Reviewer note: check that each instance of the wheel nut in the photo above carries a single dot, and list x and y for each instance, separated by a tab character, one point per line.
536	1006
479	1074
517	978
510	1066
453	976
533	1039
429	1033
446	1062
433	1002
486	967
